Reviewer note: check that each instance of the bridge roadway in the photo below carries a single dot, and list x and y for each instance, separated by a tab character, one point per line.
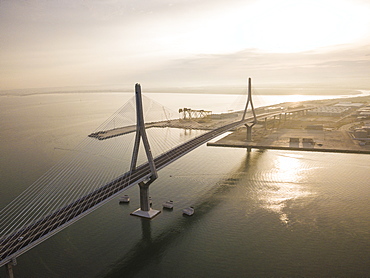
19	242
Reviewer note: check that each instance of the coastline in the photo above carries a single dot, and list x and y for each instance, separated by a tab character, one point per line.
306	132
261	147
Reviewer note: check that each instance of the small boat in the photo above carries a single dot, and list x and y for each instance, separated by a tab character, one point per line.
124	199
168	204
188	211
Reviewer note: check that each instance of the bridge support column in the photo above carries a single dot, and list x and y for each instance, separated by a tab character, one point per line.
249	132
250	124
9	268
144	196
144	210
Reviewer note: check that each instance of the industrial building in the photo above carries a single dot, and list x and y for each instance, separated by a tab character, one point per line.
362	134
364	112
349	104
336	110
328	111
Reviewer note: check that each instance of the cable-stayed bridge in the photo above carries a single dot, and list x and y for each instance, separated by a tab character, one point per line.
57	200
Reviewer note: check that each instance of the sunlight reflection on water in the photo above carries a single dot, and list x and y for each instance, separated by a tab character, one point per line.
285	182
262	214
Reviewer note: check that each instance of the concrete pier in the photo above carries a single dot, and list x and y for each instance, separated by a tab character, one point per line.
249	133
145	210
146	214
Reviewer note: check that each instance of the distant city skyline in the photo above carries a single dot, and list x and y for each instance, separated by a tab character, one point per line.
182	43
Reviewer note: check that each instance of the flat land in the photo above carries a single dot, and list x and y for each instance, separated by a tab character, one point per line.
296	133
292	129
315	140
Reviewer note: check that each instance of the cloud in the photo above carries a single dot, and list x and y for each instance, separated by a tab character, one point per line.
347	65
70	43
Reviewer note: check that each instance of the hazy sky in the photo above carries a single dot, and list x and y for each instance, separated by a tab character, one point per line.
181	43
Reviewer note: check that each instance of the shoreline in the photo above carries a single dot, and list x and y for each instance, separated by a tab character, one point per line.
261	147
307	131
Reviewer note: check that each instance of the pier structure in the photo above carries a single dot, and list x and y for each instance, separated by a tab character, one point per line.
145	210
249	124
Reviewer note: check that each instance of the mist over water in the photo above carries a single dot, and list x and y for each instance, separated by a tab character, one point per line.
258	214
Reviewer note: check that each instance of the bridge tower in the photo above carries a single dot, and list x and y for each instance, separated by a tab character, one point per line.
249	125
145	210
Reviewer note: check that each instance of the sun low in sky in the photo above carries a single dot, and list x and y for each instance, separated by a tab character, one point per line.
184	43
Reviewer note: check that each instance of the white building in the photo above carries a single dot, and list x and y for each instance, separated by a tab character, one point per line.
328	111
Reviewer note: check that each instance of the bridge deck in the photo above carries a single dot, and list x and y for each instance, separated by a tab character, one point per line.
19	242
22	240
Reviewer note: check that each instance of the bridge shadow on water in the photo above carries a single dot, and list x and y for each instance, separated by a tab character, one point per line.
150	249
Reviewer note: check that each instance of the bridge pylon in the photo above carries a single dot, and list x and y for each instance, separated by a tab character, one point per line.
145	210
249	125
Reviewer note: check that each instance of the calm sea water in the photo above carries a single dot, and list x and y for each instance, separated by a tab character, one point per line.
258	214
